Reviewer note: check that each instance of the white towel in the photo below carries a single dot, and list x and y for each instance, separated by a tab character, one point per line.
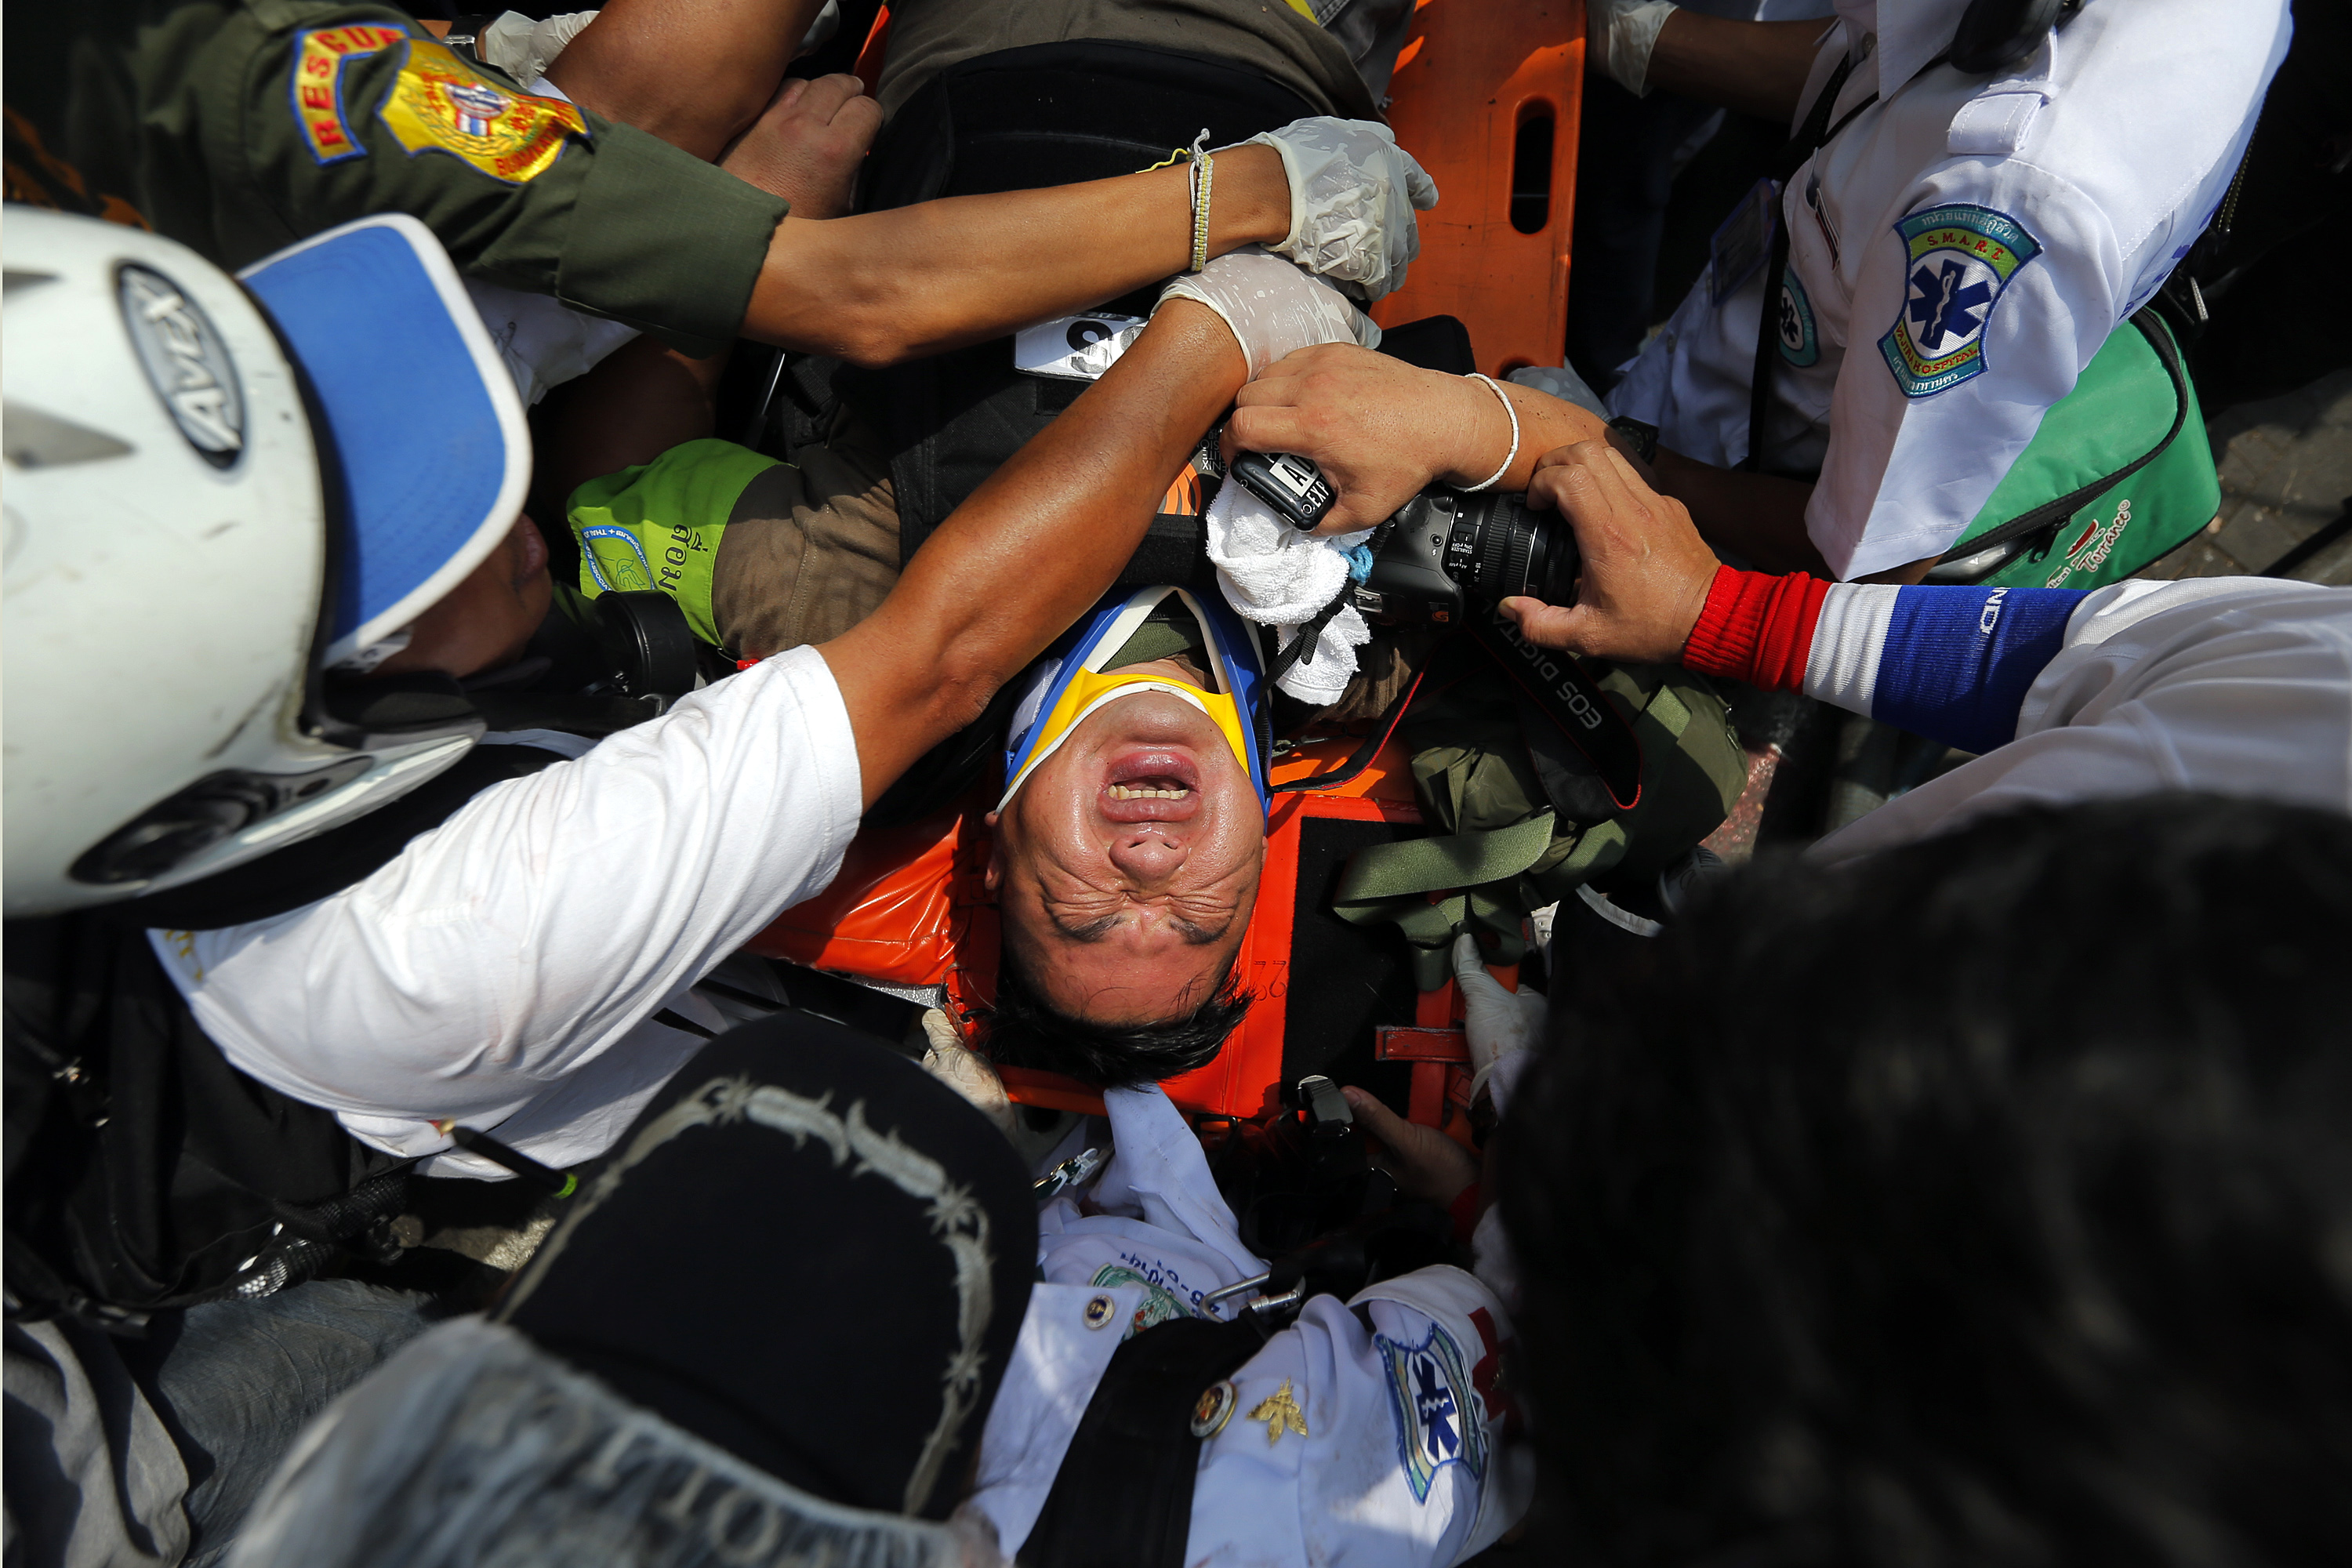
1277	576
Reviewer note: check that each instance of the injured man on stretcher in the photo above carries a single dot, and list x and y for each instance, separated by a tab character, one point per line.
1129	827
1131	824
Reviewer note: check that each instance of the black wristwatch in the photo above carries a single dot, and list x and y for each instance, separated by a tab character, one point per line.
1644	436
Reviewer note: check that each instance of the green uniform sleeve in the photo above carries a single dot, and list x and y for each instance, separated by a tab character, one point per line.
658	525
343	111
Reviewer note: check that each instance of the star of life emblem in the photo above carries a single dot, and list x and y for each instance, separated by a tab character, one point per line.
1440	1420
1958	259
1800	339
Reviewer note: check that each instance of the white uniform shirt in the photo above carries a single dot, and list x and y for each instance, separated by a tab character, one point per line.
503	970
1401	1460
2241	685
1956	254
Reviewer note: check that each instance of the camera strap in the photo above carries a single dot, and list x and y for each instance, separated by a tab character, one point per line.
1571	699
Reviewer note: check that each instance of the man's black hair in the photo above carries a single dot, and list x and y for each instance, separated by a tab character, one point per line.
1988	1201
1026	1031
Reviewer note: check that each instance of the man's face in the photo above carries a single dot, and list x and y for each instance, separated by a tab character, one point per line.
485	621
1126	865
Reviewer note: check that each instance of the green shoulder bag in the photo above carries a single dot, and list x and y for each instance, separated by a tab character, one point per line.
2119	474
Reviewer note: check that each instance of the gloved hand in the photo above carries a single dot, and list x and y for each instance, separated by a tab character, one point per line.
1272	307
1620	35
524	48
965	1070
1498	1022
1353	192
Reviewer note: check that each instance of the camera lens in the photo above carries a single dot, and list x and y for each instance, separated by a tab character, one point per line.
1499	549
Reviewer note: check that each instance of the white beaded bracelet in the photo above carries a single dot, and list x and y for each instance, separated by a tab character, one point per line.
1496	477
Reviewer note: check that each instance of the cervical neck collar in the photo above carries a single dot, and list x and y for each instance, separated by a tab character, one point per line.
1071	685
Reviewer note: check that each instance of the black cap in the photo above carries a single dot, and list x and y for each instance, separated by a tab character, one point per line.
807	1252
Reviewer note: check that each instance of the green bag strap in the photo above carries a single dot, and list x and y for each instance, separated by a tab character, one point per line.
2052	515
1391	882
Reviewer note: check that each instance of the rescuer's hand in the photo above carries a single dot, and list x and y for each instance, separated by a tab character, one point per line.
948	1059
1620	35
1381	430
1497	1022
1646	570
1272	307
1353	192
1427	1163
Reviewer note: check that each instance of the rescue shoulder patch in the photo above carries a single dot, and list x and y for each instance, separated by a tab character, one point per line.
1801	340
1956	259
317	86
438	102
1438	1418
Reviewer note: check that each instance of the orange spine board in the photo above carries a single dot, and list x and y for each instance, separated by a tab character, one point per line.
1469	77
891	912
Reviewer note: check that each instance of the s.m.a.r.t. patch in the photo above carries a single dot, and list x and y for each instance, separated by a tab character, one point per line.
438	102
1439	1420
1956	259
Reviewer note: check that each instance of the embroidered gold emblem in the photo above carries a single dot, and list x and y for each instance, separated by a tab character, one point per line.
439	100
1279	1410
320	57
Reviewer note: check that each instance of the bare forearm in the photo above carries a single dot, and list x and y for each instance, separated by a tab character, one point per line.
1545	422
1757	68
1034	547
693	72
644	399
1760	518
887	286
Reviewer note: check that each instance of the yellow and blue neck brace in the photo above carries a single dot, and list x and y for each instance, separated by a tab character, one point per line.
1071	686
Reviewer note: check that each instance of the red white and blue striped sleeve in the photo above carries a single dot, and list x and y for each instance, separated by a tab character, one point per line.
1950	663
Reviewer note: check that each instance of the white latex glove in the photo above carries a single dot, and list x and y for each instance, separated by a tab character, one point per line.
1498	1022
1353	192
965	1070
524	48
1620	35
1273	307
822	29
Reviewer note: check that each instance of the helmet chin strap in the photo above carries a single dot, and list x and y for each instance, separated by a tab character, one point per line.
1095	692
361	660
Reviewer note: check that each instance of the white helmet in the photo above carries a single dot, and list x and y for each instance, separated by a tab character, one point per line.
213	494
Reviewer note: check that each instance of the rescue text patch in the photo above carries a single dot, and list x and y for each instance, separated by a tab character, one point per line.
320	56
1438	1418
439	101
1957	260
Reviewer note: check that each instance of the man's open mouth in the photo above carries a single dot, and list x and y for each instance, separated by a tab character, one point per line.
1151	784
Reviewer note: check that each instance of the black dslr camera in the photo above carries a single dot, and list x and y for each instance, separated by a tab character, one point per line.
1442	551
